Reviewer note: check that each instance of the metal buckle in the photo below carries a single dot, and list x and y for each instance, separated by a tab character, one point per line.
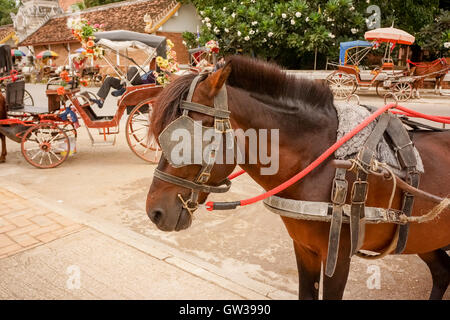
339	191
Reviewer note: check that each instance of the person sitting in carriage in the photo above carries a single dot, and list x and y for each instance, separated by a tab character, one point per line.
133	76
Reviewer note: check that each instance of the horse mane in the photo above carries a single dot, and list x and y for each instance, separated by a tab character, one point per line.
166	107
266	82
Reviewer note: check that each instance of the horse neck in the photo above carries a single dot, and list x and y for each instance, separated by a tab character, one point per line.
299	142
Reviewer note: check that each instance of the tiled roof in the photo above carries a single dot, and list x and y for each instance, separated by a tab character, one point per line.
5	31
127	15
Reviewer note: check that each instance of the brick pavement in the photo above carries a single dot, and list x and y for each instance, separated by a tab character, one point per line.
25	225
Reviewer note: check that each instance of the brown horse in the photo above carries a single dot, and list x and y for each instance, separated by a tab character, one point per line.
2	137
433	69
261	96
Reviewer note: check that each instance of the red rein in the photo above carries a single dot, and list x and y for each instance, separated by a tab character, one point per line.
210	205
425	64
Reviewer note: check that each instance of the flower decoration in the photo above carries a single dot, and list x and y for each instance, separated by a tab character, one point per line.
213	46
60	91
167	66
83	31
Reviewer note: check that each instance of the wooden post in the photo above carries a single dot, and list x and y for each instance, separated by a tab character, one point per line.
315	58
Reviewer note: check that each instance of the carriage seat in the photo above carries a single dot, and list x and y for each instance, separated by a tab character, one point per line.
15	92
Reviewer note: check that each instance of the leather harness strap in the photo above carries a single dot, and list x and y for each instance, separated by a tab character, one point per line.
405	150
338	198
361	186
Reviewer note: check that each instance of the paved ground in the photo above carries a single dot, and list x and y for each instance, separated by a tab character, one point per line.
111	183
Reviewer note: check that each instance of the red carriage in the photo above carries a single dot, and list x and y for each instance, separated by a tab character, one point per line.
46	133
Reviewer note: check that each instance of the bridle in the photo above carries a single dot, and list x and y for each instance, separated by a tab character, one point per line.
222	126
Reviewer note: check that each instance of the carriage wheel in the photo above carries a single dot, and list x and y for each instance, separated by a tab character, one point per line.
342	85
140	142
28	99
381	89
45	146
403	90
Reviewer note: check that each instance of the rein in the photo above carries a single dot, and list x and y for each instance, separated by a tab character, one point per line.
426	65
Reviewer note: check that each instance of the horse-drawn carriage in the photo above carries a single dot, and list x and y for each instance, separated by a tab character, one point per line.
347	78
46	133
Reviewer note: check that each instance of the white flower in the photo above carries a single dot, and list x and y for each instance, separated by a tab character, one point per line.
224	8
292	21
270	34
368	1
307	19
352	8
184	42
332	36
298	14
446	45
284	15
208	25
216	30
206	19
233	14
354	30
253	1
329	19
203	21
226	30
271	14
254	23
247	38
252	31
257	30
264	40
239	33
367	20
202	13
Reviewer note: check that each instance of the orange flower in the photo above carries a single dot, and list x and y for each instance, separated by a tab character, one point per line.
63	75
89	51
90	43
84	83
60	91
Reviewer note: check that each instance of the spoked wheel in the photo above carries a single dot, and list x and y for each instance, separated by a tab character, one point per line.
342	85
28	99
403	90
45	146
381	89
140	141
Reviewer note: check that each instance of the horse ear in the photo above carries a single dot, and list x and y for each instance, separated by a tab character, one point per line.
218	78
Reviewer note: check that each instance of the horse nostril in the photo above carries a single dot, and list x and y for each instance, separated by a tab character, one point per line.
156	215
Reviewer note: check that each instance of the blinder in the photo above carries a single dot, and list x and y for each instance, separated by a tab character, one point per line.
194	149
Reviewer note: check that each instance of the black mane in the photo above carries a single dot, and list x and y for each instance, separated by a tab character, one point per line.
268	83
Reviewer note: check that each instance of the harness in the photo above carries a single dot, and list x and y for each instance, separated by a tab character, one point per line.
221	126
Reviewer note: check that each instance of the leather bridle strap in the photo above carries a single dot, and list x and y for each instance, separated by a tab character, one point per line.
192	106
224	187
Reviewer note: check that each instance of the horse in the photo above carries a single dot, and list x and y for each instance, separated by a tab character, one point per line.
262	96
431	68
2	136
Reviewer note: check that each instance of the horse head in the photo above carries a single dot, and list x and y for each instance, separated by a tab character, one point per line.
176	190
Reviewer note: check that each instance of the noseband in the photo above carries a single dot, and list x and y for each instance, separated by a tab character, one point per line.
222	126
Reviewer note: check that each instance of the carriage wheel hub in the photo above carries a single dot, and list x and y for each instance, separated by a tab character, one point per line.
45	146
